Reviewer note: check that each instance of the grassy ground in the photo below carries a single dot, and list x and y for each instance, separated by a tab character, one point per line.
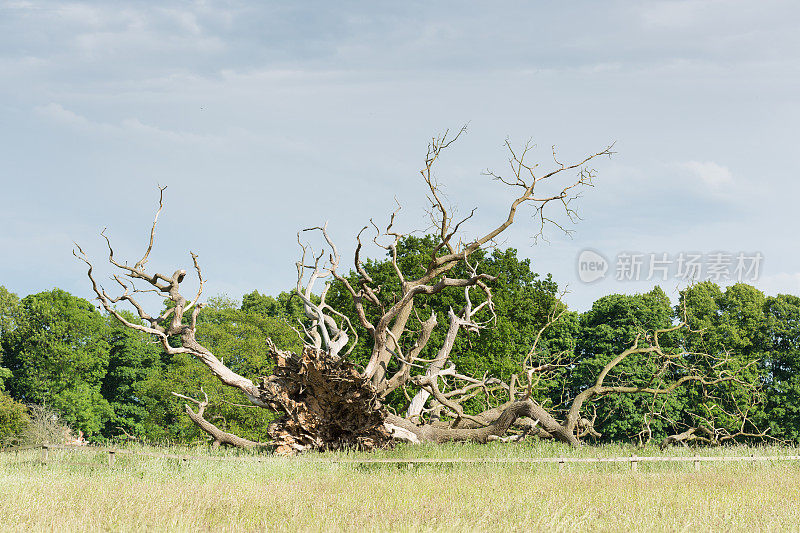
81	492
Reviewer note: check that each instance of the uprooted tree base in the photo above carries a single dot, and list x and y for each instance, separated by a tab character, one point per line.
326	404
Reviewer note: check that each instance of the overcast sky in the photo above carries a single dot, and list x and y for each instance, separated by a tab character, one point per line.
267	117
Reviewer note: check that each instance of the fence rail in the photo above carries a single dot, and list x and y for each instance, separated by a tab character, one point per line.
632	460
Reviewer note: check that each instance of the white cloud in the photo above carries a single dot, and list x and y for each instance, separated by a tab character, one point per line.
24	5
59	114
126	128
81	14
134	125
712	174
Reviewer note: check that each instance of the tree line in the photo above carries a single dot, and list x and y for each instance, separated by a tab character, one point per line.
108	380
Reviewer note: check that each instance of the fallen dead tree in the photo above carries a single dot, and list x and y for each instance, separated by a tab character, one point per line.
327	402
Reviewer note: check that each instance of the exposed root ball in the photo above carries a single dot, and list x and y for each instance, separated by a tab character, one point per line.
327	405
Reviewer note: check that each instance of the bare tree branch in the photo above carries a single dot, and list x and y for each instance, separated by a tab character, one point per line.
218	436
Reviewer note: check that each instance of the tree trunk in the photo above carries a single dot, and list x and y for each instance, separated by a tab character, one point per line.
219	436
401	427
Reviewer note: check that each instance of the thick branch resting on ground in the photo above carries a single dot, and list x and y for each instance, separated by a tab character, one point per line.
405	429
710	435
219	436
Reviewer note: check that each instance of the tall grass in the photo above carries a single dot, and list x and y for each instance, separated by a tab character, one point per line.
79	491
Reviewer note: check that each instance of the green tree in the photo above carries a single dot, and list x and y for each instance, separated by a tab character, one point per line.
58	354
241	337
9	302
782	366
287	306
606	330
8	306
732	325
134	357
13	419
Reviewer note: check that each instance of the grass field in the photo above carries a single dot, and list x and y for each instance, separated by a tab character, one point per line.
79	491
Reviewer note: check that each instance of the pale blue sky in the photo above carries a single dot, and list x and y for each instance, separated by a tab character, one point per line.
266	117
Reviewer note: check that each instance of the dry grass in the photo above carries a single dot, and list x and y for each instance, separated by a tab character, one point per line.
80	492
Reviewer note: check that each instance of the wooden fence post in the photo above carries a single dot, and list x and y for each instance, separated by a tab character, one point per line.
634	463
111	457
696	463
45	453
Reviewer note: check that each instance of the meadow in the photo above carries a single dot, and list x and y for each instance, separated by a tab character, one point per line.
81	492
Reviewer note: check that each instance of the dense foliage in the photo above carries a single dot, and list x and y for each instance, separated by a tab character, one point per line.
58	354
13	419
109	381
607	329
